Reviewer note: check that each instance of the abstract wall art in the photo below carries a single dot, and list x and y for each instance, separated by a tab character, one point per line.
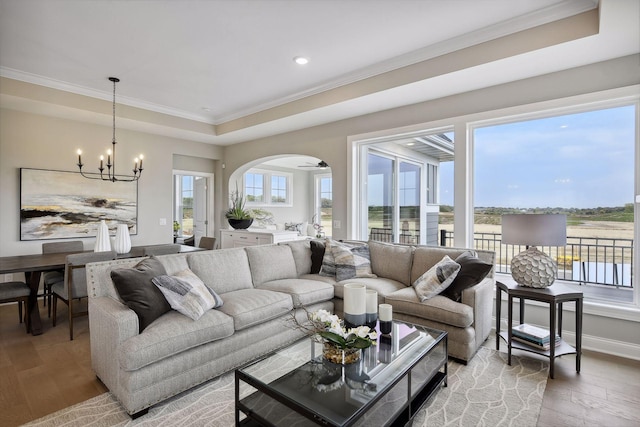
64	205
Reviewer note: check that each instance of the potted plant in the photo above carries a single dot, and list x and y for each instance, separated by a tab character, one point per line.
176	228
237	215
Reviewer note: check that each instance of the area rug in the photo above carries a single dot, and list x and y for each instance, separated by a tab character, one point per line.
486	392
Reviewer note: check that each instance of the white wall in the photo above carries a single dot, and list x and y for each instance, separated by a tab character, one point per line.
35	141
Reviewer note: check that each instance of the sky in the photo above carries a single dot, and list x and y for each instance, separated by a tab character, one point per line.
574	161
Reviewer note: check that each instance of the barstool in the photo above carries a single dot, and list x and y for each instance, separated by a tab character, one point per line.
16	292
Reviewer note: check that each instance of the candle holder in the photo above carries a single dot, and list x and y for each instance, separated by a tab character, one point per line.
371	308
386	318
354	305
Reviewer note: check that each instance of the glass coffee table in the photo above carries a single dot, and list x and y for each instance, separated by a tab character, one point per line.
390	383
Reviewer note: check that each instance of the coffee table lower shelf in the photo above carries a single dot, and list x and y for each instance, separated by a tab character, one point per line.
402	418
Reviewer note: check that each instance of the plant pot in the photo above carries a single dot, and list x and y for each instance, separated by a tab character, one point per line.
240	224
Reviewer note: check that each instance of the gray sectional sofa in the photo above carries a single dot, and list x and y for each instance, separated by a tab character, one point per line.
260	287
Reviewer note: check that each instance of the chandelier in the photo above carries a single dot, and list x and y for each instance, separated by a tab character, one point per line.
111	155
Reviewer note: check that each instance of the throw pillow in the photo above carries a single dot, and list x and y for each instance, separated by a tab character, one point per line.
138	292
351	261
472	271
317	255
436	279
328	268
300	227
187	294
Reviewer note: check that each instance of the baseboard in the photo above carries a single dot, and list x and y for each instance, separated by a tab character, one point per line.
595	343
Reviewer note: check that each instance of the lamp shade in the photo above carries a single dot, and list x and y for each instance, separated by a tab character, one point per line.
534	229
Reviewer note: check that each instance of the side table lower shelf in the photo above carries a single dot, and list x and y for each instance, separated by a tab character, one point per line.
561	349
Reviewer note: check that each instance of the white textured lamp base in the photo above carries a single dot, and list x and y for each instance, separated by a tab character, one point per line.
533	268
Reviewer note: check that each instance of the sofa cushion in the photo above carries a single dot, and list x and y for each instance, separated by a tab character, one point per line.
223	270
351	261
301	250
252	306
271	262
325	279
138	292
436	279
317	255
391	261
381	285
472	271
187	294
303	292
171	334
439	309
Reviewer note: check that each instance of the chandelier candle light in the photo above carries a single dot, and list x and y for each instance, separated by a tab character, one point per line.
532	267
111	162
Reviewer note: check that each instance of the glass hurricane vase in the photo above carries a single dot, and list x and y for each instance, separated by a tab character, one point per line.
335	354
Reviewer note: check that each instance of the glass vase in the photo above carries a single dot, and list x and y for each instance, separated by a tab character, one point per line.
335	354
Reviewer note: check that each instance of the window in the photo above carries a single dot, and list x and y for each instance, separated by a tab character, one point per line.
278	189
580	165
324	202
393	198
254	187
267	188
183	210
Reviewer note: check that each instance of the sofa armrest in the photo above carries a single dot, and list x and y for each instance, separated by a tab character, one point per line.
480	299
111	323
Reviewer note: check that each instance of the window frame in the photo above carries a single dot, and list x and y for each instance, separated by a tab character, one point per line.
267	193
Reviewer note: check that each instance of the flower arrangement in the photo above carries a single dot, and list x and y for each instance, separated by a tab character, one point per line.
341	345
331	328
317	226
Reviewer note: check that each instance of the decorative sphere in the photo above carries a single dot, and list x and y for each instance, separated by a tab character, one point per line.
533	268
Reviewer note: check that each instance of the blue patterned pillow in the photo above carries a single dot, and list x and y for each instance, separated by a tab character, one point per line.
351	261
187	294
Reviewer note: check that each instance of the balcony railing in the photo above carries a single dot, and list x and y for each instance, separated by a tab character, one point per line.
593	260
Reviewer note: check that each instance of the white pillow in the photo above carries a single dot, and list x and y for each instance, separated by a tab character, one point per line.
187	294
436	279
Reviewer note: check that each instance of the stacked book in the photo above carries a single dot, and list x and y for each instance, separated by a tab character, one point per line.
533	336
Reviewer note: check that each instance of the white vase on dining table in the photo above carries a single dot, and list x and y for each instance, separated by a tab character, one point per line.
103	244
122	242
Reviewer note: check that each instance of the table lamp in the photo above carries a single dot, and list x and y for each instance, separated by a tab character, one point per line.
532	267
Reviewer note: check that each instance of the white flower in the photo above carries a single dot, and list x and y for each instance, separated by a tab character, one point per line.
363	332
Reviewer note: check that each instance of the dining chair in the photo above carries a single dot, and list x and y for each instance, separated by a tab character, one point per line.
74	285
17	292
161	250
49	278
207	242
190	241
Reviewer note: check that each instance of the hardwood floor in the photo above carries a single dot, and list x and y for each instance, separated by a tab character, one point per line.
42	374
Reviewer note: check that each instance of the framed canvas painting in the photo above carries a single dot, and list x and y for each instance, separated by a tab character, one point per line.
65	205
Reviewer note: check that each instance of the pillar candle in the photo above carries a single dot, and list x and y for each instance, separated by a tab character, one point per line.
372	301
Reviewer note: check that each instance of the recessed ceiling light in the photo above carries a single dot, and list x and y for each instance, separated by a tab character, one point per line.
411	143
301	60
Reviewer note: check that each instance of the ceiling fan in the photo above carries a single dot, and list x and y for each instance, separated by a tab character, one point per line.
321	164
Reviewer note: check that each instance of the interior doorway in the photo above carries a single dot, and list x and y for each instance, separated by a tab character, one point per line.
192	206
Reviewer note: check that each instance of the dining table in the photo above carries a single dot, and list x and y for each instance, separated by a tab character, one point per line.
34	265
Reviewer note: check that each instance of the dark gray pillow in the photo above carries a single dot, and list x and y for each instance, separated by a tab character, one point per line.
317	255
138	292
472	271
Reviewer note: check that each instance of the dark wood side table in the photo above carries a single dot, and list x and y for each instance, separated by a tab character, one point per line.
555	295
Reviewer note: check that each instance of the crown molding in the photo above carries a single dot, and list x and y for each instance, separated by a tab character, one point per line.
98	94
